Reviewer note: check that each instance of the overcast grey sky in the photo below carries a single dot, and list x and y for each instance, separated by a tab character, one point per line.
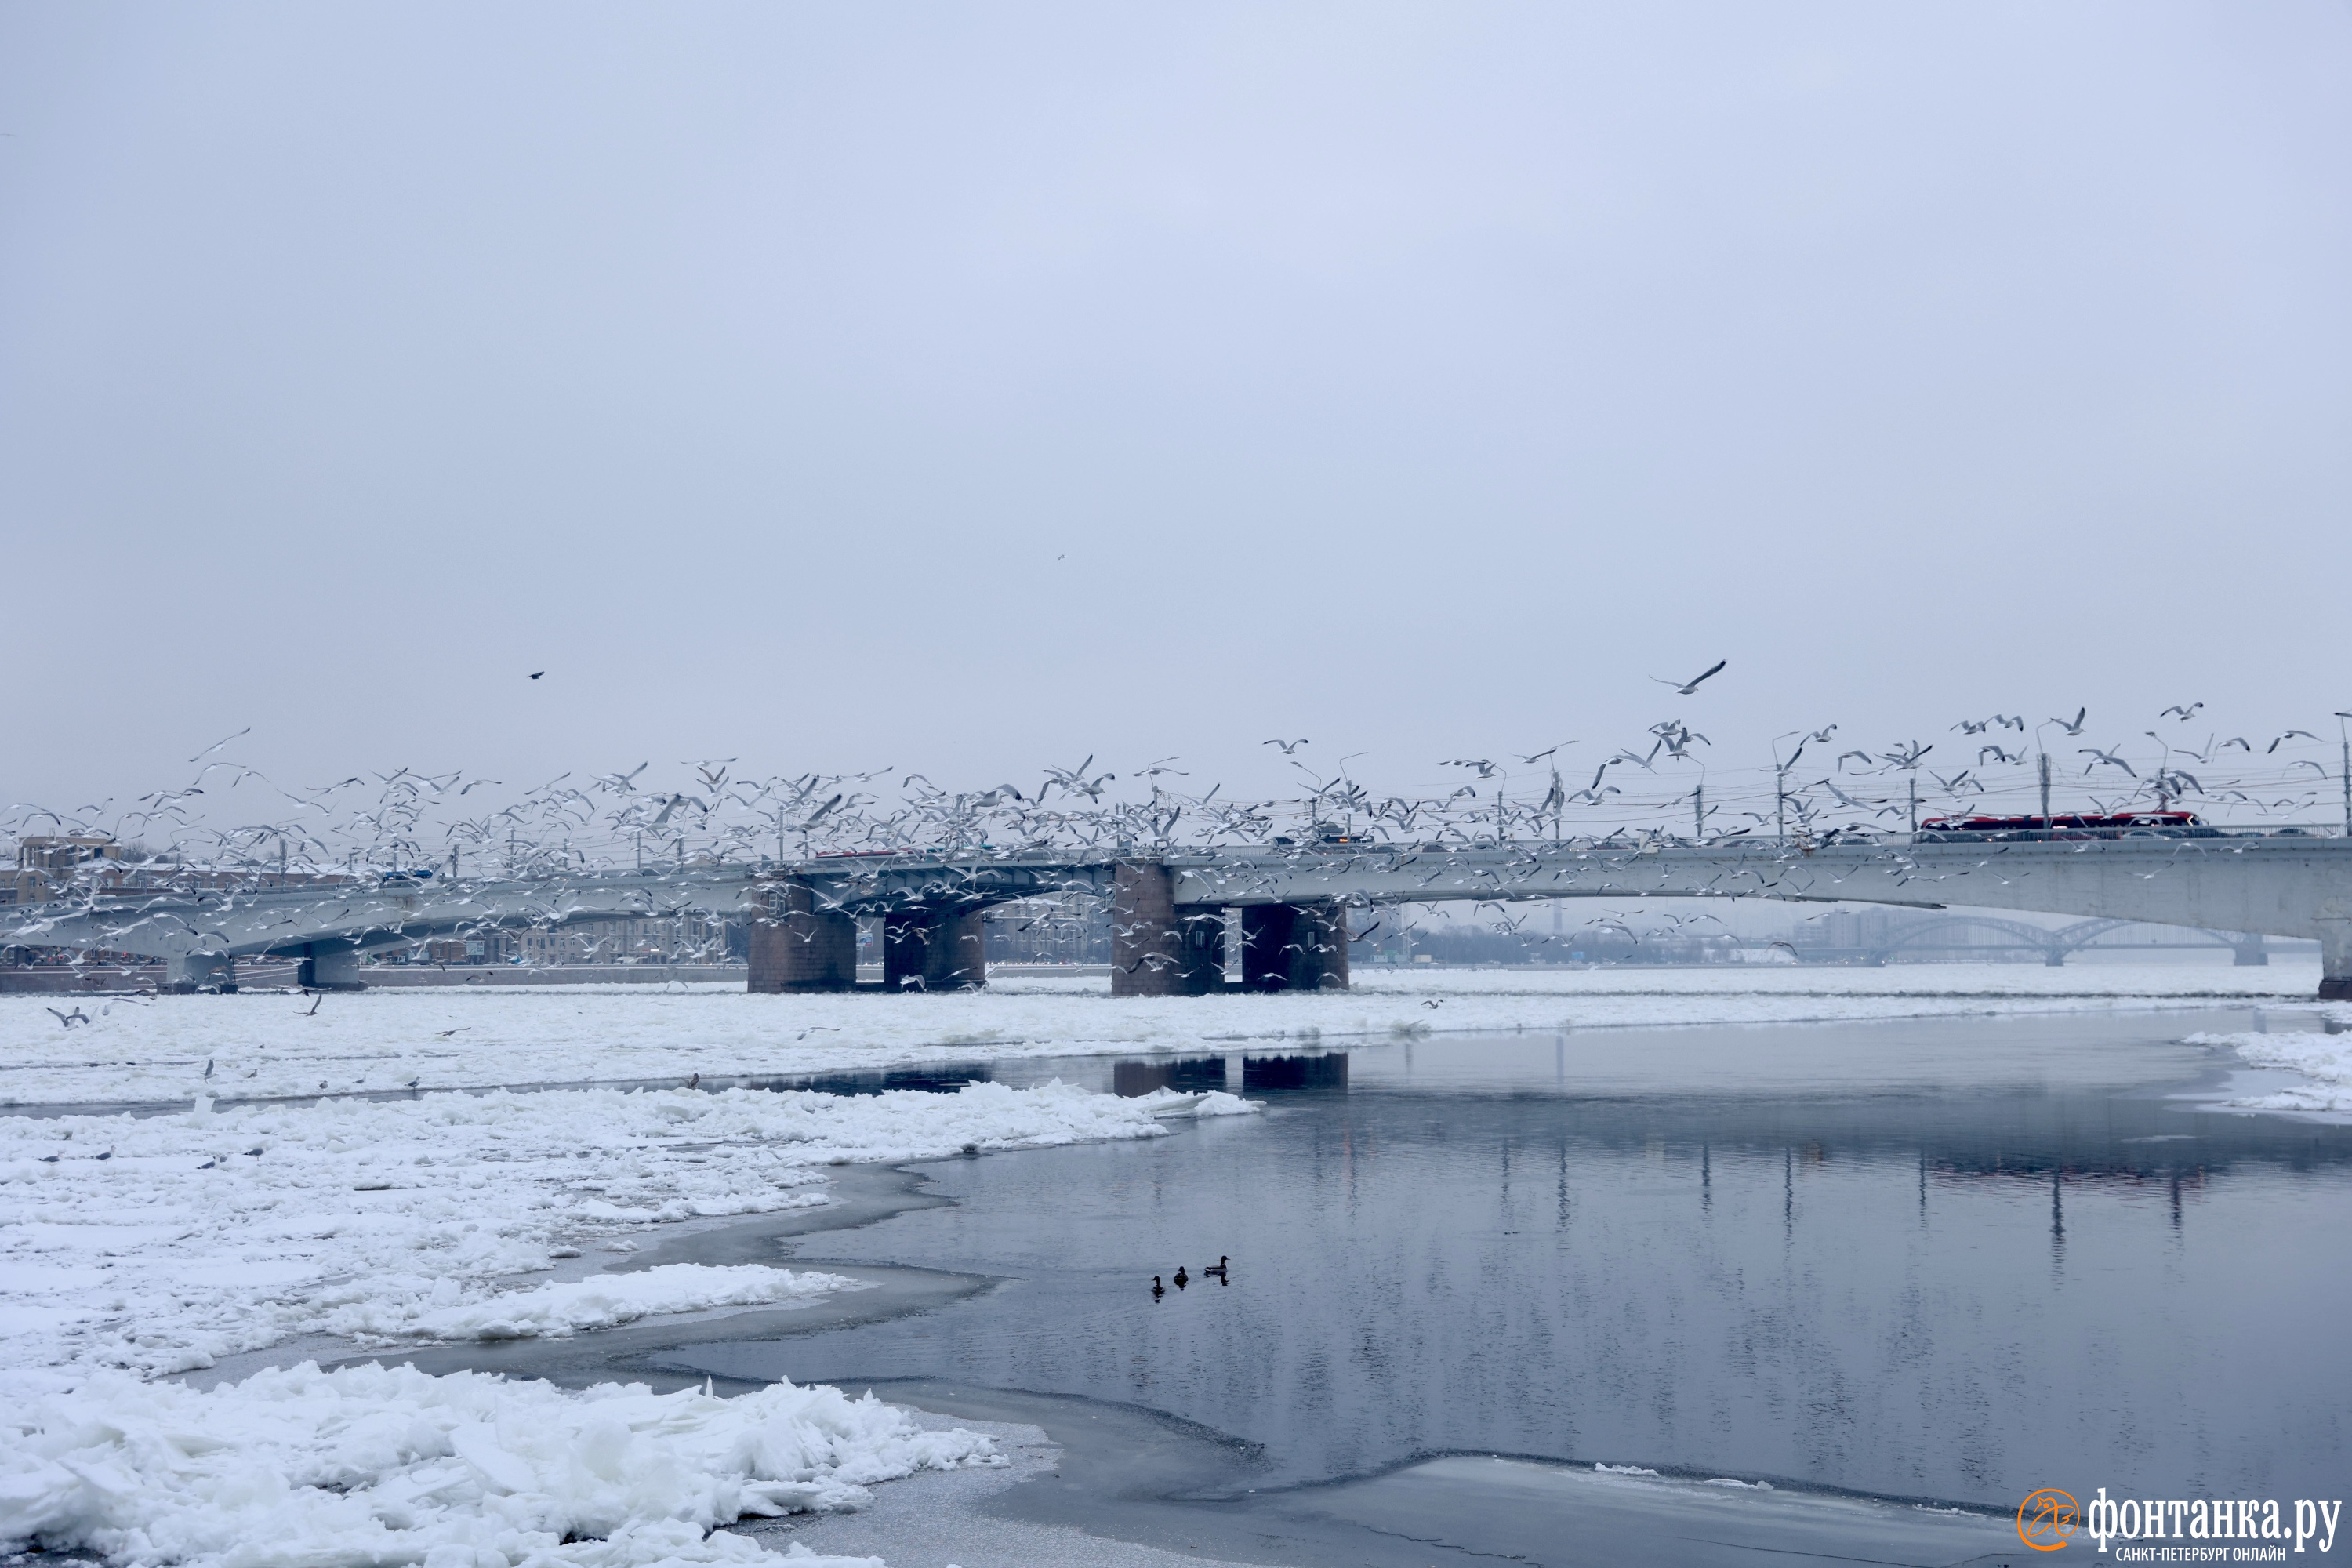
974	387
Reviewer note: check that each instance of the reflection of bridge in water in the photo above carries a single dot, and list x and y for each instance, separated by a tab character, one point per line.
2029	1136
2036	1139
1169	904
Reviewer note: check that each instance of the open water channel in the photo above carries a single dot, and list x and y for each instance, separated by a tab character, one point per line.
1889	1269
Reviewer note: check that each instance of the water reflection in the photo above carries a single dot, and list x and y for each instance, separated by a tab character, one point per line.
1327	1071
1960	1261
930	1079
1192	1075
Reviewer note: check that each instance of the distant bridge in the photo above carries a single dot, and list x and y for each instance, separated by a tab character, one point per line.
1168	902
2054	944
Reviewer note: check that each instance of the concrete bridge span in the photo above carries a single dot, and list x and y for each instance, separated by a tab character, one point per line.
1167	903
332	926
2292	885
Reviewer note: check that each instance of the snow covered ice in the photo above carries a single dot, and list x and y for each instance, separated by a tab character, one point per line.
380	1465
156	1050
141	1246
159	1244
2324	1060
600	1301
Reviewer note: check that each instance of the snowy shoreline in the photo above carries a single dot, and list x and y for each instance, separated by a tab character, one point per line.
158	1244
140	1246
155	1051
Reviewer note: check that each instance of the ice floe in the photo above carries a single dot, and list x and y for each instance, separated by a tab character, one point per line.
300	1469
2324	1060
158	1244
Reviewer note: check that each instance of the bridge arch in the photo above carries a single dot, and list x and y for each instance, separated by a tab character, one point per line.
1922	932
2055	943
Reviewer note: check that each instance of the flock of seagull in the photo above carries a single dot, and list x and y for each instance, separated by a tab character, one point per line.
230	817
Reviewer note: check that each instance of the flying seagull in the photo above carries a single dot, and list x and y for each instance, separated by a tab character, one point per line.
216	745
1287	746
2075	728
537	673
1684	689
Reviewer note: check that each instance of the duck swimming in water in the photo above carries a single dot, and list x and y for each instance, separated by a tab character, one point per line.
1219	1270
1182	1279
1158	1290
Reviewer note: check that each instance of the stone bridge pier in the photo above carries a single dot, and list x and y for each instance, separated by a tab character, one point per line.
1147	942
1201	942
1159	948
935	948
798	944
2335	958
1295	947
332	966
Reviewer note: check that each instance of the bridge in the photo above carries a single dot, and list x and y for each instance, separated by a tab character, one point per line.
1936	933
1168	902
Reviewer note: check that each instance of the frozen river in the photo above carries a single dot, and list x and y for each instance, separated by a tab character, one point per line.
1947	1261
1833	1270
